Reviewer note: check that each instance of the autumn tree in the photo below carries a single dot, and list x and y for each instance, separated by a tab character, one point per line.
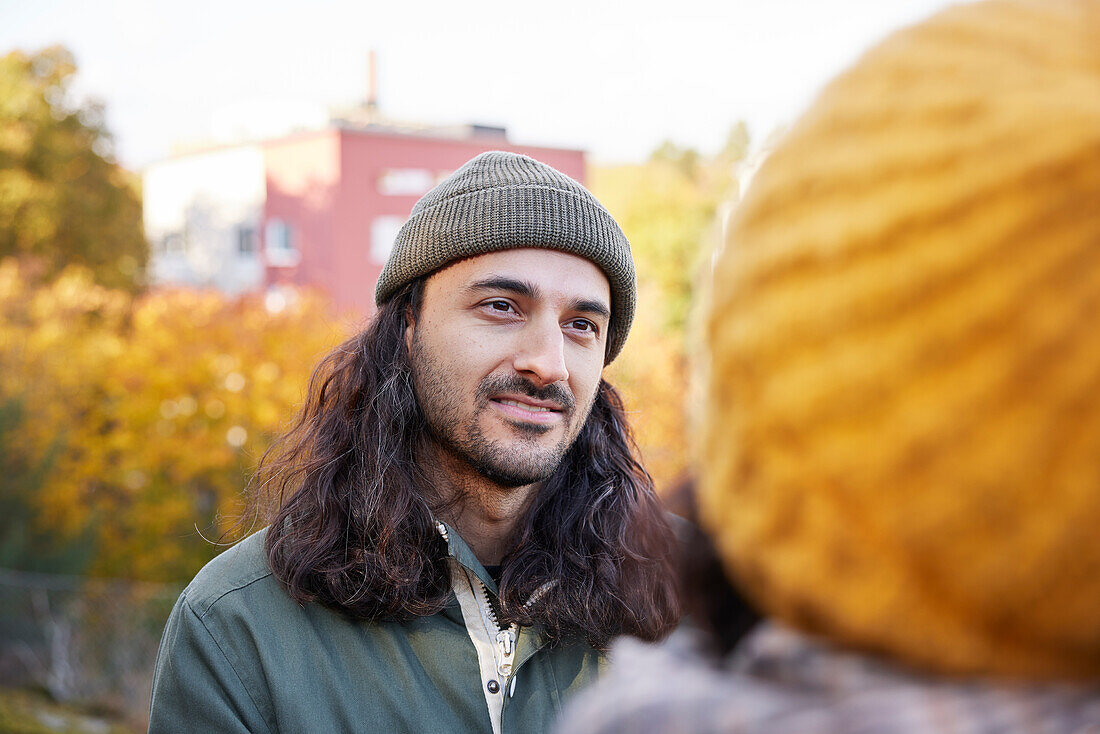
63	199
670	208
129	426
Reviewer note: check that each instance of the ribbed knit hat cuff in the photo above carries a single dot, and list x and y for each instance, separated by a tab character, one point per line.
512	216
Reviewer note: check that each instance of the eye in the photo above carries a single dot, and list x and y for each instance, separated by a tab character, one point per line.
584	325
498	306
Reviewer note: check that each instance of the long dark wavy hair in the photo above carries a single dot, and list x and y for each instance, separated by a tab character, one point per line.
351	513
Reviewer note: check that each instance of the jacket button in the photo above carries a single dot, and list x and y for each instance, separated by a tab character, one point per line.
493	686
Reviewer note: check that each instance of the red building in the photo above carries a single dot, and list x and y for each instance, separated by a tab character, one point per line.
317	209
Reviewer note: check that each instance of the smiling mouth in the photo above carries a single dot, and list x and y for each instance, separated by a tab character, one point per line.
528	412
528	406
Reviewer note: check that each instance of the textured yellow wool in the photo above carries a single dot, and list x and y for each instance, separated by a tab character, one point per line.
903	432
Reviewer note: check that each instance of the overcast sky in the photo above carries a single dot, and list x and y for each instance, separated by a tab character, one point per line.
613	78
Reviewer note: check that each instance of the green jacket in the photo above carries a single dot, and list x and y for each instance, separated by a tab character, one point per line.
239	655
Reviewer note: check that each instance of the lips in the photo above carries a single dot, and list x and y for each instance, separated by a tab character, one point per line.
527	409
522	403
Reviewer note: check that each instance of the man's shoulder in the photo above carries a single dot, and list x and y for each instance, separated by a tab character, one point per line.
241	567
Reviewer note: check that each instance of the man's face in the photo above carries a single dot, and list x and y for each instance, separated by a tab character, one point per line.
507	353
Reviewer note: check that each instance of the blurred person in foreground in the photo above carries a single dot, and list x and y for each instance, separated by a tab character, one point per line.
902	444
461	525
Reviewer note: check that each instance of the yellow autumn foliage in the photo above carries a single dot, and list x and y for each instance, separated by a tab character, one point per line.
669	209
148	413
63	198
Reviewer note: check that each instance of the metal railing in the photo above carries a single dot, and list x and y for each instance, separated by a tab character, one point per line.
87	641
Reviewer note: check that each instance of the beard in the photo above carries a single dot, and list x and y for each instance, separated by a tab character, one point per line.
456	427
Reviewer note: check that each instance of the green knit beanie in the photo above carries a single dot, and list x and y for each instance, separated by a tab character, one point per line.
501	201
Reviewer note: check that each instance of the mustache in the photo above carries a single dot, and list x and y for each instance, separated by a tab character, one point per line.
514	383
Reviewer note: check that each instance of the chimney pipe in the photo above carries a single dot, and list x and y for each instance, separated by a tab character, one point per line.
372	80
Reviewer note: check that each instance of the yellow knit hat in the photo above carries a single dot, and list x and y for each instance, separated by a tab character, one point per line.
903	431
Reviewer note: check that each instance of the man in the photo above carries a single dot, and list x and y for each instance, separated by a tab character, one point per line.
462	525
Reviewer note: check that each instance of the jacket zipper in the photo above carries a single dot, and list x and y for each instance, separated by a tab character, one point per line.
505	637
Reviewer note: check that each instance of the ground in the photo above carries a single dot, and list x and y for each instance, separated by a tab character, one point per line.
24	711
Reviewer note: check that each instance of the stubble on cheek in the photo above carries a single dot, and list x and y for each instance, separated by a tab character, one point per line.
459	429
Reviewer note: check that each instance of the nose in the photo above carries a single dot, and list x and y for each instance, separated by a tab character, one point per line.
540	353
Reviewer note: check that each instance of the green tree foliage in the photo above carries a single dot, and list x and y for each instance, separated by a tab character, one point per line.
25	544
63	200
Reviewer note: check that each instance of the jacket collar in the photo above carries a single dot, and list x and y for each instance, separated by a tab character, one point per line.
457	549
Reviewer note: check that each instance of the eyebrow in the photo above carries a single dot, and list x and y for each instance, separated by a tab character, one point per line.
501	283
529	290
592	307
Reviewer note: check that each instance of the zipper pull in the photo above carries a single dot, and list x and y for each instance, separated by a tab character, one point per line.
506	643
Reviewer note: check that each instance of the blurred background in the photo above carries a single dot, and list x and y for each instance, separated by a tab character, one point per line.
196	199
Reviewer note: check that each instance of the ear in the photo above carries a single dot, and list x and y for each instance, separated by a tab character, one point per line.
410	327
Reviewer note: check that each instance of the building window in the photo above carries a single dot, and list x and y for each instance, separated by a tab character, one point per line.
279	244
383	231
173	243
278	236
246	240
405	182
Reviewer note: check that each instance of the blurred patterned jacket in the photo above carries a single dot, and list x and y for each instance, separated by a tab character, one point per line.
781	682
